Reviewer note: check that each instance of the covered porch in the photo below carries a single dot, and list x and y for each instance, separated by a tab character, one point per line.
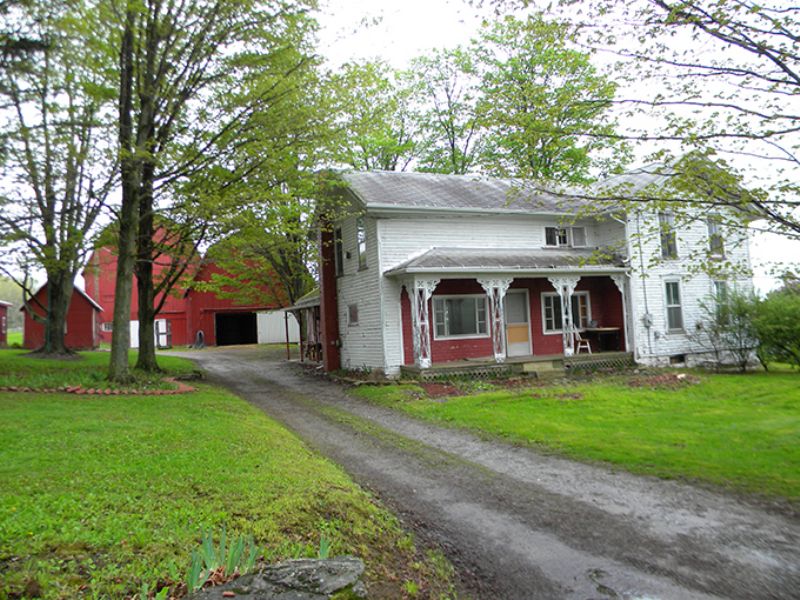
502	310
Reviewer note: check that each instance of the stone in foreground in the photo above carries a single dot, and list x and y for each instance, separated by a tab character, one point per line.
303	579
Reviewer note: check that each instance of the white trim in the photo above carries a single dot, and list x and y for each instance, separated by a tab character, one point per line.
466	336
667	305
557	295
525	291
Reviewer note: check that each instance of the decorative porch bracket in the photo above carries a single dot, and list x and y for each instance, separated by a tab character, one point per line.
496	291
565	286
619	281
421	291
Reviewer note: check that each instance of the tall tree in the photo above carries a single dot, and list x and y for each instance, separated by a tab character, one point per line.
192	75
445	95
371	108
734	103
544	104
59	167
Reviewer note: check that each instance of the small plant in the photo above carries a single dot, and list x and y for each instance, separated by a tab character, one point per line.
221	562
324	547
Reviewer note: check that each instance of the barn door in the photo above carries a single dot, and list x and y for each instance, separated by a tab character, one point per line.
163	333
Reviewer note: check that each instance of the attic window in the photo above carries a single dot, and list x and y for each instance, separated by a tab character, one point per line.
565	236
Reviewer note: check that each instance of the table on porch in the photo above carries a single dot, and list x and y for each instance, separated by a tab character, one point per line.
607	338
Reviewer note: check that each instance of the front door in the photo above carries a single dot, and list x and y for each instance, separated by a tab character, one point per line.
518	331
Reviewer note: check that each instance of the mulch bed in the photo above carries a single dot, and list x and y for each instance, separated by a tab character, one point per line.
181	388
664	380
439	390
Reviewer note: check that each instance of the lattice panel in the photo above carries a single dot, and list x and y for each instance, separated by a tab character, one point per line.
477	372
596	363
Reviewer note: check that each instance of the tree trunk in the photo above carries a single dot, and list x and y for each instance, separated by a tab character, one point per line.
59	293
144	276
129	213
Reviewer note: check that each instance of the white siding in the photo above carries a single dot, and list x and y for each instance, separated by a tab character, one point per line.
362	344
650	273
404	238
271	327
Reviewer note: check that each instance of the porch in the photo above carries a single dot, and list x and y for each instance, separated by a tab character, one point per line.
509	311
552	365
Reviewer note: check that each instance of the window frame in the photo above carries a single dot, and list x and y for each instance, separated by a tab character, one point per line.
107	326
361	240
679	306
568	235
667	233
579	293
352	309
714	228
462	336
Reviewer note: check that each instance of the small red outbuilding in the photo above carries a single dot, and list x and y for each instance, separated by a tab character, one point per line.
4	323
83	322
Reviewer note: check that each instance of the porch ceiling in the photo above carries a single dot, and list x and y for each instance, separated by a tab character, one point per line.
513	261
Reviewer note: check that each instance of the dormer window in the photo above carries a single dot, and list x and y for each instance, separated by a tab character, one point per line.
565	236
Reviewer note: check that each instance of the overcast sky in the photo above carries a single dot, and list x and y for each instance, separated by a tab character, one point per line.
397	31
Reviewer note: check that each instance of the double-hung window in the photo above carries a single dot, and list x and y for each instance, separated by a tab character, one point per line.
669	243
459	316
721	301
361	242
716	245
672	291
551	309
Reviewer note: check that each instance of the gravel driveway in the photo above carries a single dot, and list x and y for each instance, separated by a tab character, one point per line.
518	524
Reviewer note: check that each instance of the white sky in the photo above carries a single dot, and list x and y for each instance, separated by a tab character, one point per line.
397	31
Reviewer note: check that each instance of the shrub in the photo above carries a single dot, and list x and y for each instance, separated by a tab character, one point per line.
776	321
727	329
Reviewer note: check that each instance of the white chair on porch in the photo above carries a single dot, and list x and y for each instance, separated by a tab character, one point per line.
581	343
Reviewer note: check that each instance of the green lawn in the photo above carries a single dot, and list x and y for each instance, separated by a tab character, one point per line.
99	495
738	431
89	369
14	337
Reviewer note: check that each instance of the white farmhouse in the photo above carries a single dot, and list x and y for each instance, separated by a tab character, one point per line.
434	271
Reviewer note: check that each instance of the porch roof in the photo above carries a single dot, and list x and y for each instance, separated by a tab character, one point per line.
310	300
515	261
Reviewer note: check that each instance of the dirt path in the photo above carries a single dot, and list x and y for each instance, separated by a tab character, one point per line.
517	524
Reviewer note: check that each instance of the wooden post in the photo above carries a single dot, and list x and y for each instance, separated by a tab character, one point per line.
286	328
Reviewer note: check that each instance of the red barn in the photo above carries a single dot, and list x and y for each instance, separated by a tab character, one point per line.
226	321
187	311
4	323
83	322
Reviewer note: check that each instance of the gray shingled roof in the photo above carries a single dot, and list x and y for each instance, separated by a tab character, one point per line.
311	299
443	260
433	191
655	175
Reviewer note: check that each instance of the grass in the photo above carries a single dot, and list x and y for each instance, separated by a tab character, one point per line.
87	369
14	338
100	495
737	431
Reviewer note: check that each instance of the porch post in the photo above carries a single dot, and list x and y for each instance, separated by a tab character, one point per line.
496	290
565	286
421	291
619	280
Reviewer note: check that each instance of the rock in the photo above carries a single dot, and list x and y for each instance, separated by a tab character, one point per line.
303	579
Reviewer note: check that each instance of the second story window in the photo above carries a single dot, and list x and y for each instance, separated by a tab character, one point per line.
565	236
338	252
361	243
669	244
716	244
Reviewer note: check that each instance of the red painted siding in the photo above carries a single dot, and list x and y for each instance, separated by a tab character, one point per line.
188	311
201	307
604	297
83	321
